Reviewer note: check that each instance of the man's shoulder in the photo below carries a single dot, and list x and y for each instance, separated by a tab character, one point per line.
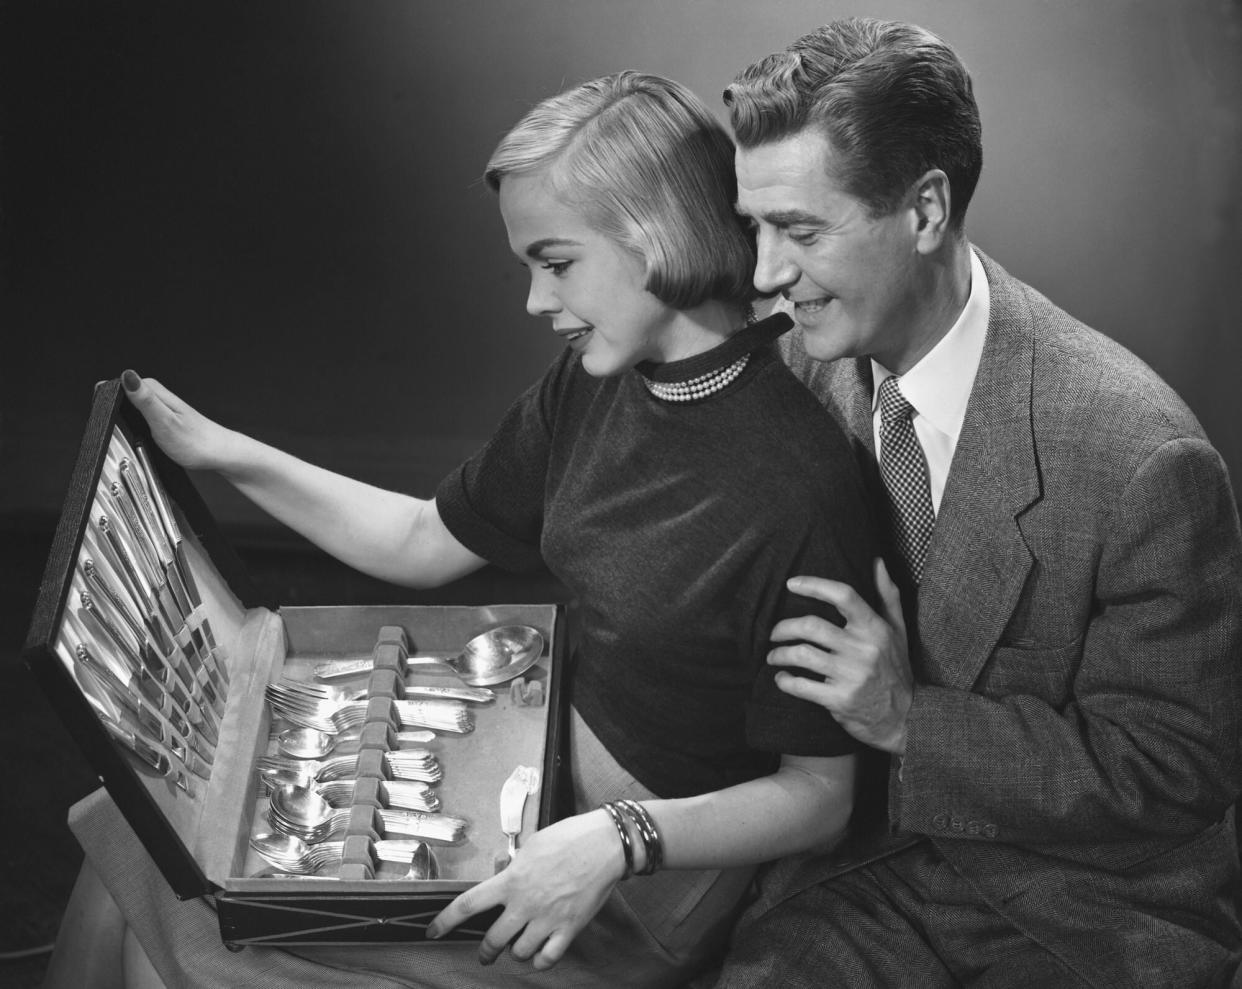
1081	376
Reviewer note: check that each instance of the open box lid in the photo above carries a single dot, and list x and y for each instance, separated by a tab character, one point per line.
163	816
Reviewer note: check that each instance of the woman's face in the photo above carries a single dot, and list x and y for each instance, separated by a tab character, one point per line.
589	287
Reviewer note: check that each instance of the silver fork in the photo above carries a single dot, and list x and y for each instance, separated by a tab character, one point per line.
328	692
414	764
332	716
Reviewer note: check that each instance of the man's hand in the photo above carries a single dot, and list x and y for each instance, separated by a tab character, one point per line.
867	682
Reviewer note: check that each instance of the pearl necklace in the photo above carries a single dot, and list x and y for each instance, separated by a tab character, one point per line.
697	388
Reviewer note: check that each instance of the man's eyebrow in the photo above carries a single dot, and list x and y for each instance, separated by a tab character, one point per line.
536	249
786	217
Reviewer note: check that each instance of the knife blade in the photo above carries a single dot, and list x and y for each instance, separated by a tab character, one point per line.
133	676
158	761
143	717
168	690
164	510
114	713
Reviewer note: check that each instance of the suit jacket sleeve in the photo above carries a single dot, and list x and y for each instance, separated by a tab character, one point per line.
1137	732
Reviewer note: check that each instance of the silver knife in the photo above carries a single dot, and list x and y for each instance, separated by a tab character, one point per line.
137	679
167	669
168	519
136	659
131	496
145	718
159	761
116	719
148	629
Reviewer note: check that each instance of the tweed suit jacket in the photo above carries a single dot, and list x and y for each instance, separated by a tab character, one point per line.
1073	741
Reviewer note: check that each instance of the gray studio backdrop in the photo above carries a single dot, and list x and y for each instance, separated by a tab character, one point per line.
274	207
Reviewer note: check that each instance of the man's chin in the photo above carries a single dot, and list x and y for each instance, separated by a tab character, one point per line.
821	343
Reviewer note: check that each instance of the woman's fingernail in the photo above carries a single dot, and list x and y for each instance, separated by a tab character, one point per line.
131	381
432	931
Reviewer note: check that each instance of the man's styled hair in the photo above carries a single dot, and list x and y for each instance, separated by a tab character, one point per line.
893	100
649	167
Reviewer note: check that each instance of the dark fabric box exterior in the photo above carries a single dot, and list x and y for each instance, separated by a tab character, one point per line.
201	842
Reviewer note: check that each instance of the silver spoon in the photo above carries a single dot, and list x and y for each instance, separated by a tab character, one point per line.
291	854
395	794
299	811
422	863
491	657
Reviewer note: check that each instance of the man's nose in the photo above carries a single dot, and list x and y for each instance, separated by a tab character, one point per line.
773	268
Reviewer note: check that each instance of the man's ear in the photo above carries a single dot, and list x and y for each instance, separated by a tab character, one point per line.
932	205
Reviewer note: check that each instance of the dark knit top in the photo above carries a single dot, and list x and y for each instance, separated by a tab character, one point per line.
676	525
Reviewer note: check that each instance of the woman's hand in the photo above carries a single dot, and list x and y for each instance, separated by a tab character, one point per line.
550	891
190	439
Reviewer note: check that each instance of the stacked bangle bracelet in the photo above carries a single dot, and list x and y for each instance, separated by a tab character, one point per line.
653	847
625	813
627	846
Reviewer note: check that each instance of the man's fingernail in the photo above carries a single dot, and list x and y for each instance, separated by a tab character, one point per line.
433	932
131	381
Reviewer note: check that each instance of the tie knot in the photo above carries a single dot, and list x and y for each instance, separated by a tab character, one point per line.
893	404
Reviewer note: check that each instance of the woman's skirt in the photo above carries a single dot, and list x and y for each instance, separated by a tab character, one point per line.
653	931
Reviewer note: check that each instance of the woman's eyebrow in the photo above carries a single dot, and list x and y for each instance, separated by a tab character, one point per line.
537	248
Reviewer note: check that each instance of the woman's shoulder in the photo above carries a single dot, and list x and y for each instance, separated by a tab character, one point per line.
792	440
784	400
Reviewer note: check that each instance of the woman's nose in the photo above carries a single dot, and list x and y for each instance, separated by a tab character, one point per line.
541	300
773	269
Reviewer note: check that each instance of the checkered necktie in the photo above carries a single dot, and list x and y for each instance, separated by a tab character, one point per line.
905	478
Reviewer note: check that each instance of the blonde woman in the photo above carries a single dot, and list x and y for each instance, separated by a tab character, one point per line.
673	474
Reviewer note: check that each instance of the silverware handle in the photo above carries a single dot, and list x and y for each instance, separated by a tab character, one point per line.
162	505
160	762
475	695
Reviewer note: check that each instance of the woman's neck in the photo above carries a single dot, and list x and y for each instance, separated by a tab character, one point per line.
698	330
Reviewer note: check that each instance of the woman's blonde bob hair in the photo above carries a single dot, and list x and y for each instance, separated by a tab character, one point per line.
649	167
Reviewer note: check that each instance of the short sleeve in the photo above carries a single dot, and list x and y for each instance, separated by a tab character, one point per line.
839	545
493	504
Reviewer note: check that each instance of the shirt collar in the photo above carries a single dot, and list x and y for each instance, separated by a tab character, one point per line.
939	385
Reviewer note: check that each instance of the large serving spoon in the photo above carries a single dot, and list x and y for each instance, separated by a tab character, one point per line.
492	657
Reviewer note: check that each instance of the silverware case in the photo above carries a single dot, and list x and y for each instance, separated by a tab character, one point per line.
196	818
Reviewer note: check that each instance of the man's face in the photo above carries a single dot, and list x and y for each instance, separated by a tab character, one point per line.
851	279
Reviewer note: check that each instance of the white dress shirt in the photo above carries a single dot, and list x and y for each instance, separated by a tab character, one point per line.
939	385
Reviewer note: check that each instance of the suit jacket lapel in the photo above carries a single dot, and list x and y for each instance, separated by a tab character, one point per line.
978	562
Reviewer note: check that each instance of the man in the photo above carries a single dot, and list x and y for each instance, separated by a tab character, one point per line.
1061	700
